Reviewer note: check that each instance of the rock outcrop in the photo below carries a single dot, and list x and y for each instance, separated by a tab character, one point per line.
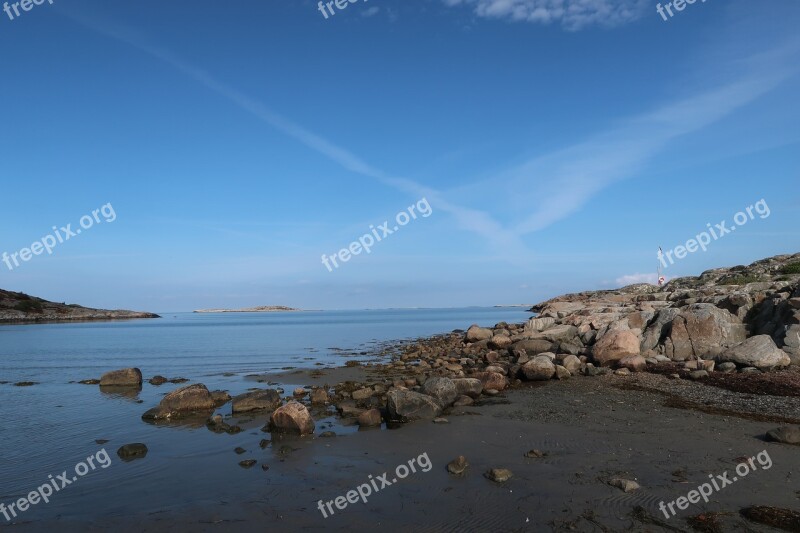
192	399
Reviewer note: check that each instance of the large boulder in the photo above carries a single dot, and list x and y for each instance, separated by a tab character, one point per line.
535	325
533	346
614	346
759	351
443	389
471	387
492	380
127	377
658	330
541	368
572	363
476	333
292	417
562	332
500	341
634	363
184	401
703	330
256	401
406	405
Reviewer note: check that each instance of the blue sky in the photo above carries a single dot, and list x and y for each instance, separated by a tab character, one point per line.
558	143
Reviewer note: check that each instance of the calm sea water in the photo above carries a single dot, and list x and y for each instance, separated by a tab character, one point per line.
50	427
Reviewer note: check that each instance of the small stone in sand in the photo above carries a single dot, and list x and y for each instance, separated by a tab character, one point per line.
499	475
625	485
491	392
441	420
458	465
535	454
327	434
785	435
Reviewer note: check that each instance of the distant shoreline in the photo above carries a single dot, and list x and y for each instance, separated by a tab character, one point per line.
259	309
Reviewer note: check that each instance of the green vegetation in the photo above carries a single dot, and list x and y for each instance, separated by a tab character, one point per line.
742	280
29	306
791	268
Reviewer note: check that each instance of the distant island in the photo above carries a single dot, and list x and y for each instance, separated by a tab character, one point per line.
259	309
18	307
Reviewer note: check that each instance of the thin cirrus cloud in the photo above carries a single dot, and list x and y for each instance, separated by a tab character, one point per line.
573	15
469	219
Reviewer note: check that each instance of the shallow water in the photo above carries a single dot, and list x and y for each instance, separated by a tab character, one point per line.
51	426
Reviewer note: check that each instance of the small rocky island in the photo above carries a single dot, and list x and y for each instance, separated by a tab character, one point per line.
18	307
259	309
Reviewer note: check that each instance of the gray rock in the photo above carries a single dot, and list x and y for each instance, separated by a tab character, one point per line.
468	387
183	401
759	352
362	394
785	435
130	452
533	346
572	363
127	377
406	405
477	334
292	417
458	465
727	367
499	475
371	418
540	369
256	401
703	330
562	373
443	389
625	485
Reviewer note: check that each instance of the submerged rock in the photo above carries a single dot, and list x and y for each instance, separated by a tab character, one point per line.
127	377
130	452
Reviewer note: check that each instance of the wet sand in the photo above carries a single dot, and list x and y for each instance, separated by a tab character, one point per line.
591	429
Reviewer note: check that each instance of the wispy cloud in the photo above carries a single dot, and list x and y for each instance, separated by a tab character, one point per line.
551	187
468	219
571	14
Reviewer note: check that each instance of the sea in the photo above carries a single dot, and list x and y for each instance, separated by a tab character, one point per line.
50	427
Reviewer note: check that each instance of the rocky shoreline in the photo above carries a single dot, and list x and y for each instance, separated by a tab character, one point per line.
689	357
20	308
